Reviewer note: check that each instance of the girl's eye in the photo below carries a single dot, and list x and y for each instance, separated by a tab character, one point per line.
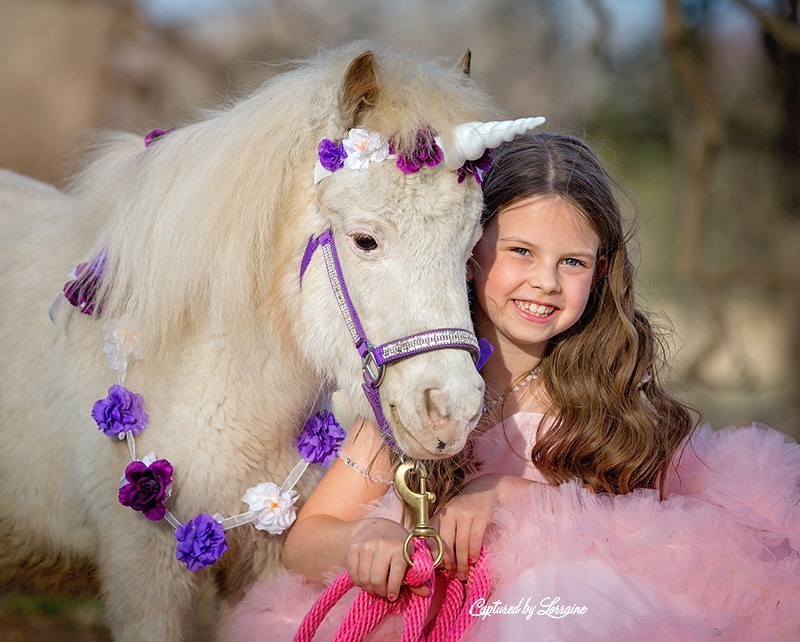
520	250
574	262
365	242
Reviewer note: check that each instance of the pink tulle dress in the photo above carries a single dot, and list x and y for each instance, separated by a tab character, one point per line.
718	559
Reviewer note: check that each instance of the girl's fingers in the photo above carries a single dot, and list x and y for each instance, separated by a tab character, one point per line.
476	539
397	571
462	549
421	590
365	566
447	532
363	570
353	563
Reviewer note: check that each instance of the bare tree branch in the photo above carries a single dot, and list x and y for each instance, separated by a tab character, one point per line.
706	141
601	37
785	33
702	149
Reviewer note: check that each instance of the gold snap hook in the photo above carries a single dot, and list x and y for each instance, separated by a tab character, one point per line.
418	502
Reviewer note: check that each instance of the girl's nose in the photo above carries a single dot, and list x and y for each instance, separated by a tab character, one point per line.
544	277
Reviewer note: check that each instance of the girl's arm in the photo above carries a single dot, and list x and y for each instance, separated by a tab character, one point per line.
462	522
332	528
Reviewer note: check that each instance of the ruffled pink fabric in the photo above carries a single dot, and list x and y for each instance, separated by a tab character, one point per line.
719	559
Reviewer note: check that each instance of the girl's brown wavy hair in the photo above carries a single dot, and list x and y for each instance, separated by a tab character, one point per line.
613	426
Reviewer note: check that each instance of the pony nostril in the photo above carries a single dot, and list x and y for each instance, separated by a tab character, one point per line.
441	445
436	406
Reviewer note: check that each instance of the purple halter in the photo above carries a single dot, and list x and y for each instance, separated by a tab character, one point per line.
374	358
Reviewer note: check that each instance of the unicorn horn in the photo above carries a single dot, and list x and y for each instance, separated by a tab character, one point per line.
471	140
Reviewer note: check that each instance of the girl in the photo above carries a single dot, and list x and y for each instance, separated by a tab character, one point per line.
575	419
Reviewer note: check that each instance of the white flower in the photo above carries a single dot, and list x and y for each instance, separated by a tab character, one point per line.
121	344
277	511
362	147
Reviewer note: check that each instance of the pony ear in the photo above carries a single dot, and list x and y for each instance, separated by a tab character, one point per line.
359	89
465	64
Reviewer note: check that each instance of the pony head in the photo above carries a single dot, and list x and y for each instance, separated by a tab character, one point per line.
389	184
208	226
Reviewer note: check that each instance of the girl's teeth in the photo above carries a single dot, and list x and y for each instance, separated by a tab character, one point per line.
538	310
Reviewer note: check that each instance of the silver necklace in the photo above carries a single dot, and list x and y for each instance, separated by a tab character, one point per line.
491	403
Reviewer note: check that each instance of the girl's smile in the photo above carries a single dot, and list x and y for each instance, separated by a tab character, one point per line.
533	269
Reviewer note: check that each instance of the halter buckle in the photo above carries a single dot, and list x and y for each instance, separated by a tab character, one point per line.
373	371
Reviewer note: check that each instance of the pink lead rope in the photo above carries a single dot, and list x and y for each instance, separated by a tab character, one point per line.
450	624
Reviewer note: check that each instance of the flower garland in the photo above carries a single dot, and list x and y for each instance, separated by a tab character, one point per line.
362	147
146	484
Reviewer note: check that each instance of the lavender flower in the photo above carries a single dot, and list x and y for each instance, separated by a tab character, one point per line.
147	487
81	291
331	155
201	542
477	167
320	438
120	412
426	152
155	134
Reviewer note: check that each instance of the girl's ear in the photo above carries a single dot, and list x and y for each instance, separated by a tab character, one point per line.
600	268
470	269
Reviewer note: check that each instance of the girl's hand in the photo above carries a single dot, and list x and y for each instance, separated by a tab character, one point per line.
375	558
462	523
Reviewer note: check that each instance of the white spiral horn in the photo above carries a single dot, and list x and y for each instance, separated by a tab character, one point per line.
471	140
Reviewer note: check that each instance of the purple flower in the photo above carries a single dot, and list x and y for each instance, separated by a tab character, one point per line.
155	134
331	155
120	412
477	167
320	438
82	290
425	152
146	490
201	542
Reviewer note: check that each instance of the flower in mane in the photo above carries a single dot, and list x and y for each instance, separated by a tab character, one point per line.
81	289
155	134
426	152
477	168
362	147
120	413
331	155
201	542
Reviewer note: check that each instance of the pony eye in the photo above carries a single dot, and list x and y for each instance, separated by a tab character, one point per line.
365	242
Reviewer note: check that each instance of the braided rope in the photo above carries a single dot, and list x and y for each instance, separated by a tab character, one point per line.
452	621
415	607
479	585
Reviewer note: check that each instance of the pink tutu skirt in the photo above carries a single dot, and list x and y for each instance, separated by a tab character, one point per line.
718	559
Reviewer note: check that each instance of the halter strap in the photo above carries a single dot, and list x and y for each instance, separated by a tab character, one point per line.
374	358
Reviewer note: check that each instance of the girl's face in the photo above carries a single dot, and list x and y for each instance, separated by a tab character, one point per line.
533	270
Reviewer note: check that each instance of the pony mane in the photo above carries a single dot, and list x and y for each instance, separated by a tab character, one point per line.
199	226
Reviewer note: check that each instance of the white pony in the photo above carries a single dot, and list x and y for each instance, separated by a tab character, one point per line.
197	240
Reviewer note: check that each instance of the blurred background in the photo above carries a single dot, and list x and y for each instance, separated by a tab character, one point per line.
695	104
